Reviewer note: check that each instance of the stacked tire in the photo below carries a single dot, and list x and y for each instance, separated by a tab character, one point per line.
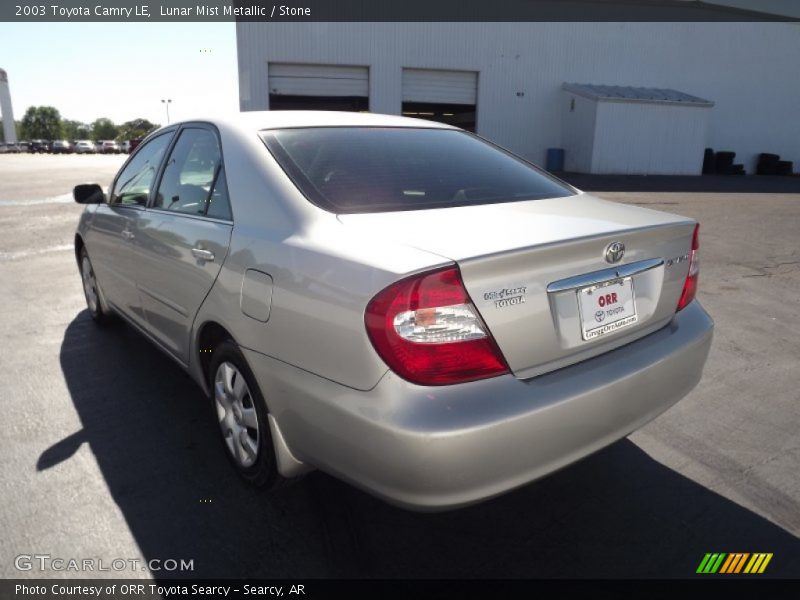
767	164
771	164
724	165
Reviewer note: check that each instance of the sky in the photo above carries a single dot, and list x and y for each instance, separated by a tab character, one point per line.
121	71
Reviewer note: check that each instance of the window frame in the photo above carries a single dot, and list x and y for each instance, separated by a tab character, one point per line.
301	181
163	166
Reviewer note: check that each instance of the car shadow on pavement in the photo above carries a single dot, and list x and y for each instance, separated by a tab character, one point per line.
619	513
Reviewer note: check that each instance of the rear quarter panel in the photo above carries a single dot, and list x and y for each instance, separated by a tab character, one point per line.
323	277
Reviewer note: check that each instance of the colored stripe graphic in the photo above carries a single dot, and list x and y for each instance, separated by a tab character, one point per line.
703	563
734	562
718	562
711	562
741	562
758	563
766	562
729	562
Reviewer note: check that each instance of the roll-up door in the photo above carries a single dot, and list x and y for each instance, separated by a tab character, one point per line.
440	87
318	87
440	95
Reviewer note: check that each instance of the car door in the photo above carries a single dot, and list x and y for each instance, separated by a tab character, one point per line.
112	237
183	237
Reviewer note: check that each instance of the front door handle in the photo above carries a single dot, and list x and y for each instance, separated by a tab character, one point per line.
202	254
127	234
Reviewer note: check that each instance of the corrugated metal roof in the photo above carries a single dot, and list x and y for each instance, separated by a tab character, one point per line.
620	93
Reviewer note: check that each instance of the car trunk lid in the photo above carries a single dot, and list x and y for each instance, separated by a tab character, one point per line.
536	271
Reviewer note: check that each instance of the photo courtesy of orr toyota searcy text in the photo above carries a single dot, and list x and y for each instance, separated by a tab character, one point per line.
138	589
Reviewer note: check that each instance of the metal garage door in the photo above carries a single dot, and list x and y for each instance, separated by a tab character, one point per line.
318	80
438	86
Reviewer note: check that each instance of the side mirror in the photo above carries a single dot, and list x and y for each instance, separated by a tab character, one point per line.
88	193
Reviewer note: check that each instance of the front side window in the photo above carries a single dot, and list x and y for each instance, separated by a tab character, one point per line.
374	169
134	183
193	180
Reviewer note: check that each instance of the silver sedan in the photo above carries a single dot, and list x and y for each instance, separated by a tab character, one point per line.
396	302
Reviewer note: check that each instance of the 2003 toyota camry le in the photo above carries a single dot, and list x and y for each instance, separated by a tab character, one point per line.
396	302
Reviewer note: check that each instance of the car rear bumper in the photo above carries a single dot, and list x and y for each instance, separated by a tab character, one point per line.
431	448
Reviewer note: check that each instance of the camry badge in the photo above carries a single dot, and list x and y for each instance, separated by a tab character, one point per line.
614	252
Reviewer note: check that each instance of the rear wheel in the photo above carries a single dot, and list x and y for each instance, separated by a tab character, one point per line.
91	291
242	416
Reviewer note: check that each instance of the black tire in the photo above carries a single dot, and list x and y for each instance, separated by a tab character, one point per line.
724	162
767	164
100	316
263	473
708	161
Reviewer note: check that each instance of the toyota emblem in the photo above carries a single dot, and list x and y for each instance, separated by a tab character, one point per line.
614	252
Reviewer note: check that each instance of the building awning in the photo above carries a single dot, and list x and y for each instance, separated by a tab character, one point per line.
620	93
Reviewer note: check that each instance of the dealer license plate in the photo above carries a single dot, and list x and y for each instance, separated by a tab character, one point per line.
606	307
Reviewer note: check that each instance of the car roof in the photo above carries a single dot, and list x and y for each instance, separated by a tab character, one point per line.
276	119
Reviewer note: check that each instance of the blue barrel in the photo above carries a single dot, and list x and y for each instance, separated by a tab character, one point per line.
555	159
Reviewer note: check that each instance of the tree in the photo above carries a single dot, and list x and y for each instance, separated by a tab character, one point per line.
138	128
104	129
41	122
75	130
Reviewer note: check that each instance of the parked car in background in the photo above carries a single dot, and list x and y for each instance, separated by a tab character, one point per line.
4	148
110	147
61	147
16	147
125	146
39	147
85	147
23	146
394	301
134	143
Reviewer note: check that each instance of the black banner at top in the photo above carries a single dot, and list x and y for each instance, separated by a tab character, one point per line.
388	10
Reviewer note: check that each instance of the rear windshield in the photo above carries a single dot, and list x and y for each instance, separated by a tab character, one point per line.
375	169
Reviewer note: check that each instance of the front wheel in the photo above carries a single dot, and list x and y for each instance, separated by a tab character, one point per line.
242	416
91	291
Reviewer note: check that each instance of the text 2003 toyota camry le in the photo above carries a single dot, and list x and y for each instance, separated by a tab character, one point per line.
396	302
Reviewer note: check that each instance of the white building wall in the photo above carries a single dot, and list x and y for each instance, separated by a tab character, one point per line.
656	139
578	128
748	69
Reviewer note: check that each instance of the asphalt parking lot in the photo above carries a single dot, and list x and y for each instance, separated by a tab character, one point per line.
107	450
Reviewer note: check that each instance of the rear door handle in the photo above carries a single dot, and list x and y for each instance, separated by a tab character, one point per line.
202	254
127	234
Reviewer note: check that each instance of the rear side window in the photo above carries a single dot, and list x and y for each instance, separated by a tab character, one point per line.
373	169
134	182
193	180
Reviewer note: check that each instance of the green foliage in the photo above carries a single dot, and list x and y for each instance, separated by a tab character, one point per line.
41	122
104	129
44	122
138	128
75	130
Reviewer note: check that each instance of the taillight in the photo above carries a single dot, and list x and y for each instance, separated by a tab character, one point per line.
690	285
428	331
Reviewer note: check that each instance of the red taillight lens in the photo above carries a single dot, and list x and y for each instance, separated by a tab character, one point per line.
690	285
428	331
